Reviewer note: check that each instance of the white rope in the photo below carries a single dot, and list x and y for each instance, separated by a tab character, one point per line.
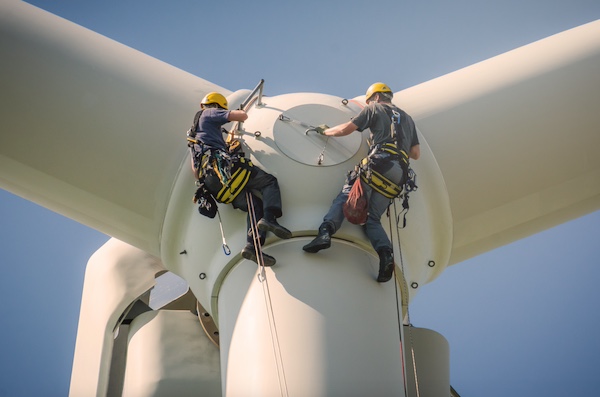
404	292
262	278
398	307
254	229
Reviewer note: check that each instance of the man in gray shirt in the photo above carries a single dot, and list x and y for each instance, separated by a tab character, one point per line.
389	156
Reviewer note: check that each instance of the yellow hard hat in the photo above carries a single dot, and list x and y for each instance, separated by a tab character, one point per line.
214	97
377	87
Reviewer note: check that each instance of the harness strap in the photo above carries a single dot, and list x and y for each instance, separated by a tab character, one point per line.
379	182
236	184
392	149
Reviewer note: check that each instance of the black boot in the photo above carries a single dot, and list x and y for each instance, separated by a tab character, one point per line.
386	264
249	252
269	224
322	241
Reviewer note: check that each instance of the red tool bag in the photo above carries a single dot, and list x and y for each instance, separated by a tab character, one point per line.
357	206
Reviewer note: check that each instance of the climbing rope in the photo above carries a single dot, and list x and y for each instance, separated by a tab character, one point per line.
262	278
404	296
254	231
398	304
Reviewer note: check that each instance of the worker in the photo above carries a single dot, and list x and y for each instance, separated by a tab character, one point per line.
384	157
213	160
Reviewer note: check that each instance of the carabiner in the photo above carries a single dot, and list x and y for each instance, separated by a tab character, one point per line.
226	249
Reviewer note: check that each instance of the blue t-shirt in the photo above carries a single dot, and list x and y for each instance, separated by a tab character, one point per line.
209	127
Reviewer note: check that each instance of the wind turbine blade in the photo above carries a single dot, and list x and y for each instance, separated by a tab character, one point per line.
91	129
516	138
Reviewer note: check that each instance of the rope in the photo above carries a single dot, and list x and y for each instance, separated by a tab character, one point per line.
398	305
255	234
262	277
404	292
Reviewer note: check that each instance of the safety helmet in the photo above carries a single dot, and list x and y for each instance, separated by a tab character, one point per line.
377	87
214	97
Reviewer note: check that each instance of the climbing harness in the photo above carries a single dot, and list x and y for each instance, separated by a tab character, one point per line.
233	174
376	180
231	168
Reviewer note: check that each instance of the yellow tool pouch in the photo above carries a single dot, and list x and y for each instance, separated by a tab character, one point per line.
378	182
233	186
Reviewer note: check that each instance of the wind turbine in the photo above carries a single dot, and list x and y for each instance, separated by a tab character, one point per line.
463	207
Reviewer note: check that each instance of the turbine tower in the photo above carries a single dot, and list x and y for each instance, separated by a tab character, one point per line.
114	158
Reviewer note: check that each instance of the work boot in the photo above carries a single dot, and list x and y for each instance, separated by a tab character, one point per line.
271	225
249	252
322	241
386	264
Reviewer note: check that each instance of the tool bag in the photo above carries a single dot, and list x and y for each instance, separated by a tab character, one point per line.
207	205
233	175
356	207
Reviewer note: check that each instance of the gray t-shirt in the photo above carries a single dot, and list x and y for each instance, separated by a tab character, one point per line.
375	117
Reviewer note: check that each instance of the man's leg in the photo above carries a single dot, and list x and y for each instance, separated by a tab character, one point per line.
252	251
375	232
268	187
332	221
378	237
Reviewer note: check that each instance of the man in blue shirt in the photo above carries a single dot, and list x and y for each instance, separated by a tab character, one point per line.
208	131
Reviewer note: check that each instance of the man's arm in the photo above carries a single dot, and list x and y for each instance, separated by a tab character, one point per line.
341	129
237	115
415	152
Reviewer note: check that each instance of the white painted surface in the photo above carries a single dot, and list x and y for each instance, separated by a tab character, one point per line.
315	325
116	275
168	356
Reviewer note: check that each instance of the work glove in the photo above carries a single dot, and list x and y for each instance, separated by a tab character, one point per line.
321	129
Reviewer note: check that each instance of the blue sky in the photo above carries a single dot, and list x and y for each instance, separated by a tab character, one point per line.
521	320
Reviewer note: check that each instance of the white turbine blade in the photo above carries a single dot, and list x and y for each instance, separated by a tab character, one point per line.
90	128
516	138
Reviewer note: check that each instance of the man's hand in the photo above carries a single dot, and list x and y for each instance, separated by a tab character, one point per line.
321	129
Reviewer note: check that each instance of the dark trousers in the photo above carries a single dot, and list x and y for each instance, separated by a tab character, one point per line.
265	186
263	189
378	204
